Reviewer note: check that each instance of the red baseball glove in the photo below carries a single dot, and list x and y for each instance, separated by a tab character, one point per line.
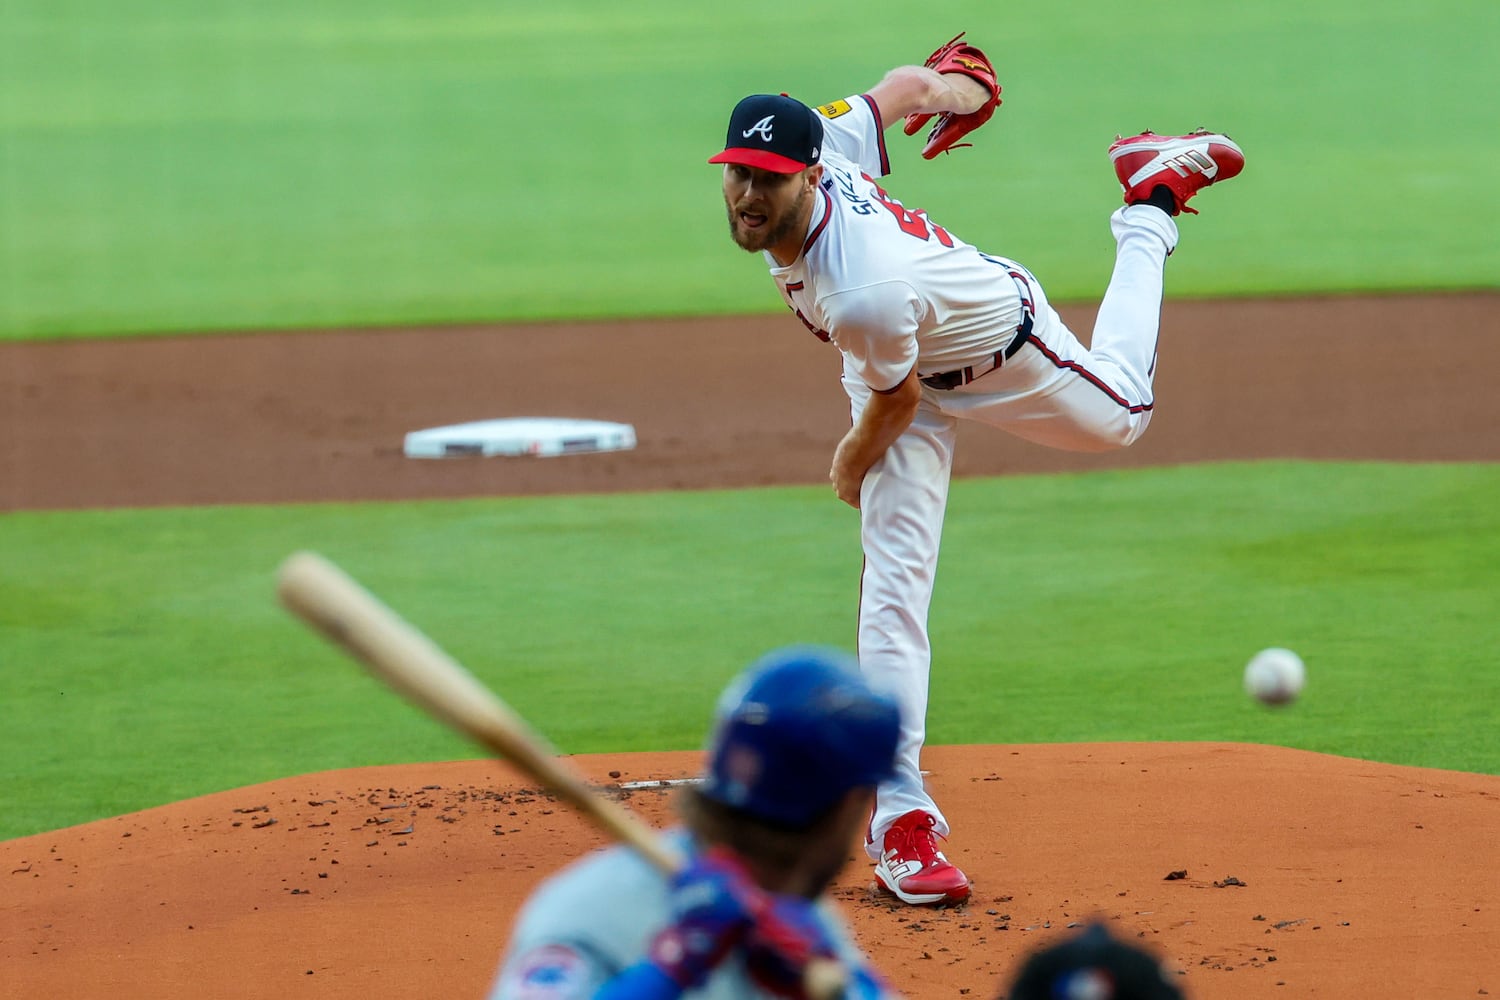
957	57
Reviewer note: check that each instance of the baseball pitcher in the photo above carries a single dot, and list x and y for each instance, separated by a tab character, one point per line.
933	330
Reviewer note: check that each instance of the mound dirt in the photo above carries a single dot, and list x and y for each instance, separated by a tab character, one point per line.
1259	872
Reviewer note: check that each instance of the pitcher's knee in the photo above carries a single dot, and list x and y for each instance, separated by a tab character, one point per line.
1118	434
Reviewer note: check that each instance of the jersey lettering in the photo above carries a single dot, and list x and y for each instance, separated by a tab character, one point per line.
786	295
912	222
812	328
834	109
845	187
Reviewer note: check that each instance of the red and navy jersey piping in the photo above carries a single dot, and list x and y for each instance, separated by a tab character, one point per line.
812	237
885	161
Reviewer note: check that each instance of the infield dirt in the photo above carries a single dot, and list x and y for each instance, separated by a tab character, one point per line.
1304	875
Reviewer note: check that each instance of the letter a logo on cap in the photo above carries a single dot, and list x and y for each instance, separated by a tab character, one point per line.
762	128
772	133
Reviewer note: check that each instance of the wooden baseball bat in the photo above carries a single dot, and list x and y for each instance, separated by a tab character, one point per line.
351	617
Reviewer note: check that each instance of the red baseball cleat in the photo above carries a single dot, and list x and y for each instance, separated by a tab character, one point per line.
1184	164
913	869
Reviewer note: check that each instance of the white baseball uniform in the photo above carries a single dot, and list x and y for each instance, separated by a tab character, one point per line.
891	289
596	918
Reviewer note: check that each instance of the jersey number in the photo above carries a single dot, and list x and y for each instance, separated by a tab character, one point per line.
912	222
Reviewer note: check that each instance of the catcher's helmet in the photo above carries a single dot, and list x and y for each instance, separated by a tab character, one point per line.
795	732
1093	966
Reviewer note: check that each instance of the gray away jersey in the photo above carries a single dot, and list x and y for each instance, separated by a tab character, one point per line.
596	917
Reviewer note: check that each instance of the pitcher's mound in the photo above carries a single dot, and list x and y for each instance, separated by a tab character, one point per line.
1260	872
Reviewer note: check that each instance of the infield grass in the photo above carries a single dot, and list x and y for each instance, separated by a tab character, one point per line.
146	659
168	165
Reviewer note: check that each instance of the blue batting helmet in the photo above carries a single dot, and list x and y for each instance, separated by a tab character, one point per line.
797	731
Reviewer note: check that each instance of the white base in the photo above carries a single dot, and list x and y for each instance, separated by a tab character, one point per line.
659	783
536	437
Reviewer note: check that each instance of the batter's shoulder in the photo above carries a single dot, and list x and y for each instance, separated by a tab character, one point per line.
613	867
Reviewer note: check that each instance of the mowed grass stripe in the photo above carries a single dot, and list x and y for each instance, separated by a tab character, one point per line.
174	166
146	659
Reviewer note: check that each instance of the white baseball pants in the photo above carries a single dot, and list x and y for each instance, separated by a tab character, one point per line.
1053	391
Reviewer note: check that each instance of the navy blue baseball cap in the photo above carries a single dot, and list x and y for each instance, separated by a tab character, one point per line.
774	132
796	732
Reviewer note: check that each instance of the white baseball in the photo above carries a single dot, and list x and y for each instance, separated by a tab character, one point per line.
1275	676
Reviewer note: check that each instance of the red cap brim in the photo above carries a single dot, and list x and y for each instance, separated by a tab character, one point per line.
762	158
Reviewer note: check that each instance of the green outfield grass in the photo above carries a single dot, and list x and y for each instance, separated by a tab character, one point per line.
146	659
168	165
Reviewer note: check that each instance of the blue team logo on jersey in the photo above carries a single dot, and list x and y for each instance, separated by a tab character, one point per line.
551	972
544	976
846	189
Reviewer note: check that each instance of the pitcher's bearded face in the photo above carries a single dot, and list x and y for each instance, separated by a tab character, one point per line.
764	207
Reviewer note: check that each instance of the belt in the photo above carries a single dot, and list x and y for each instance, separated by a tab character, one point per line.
967	374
